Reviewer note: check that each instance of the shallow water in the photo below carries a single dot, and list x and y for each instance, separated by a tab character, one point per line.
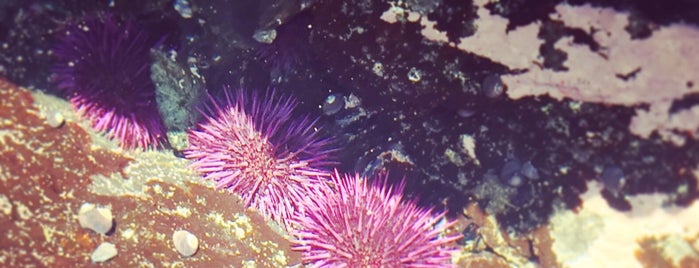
518	135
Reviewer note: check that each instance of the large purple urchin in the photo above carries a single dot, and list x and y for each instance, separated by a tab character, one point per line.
348	223
253	147
103	66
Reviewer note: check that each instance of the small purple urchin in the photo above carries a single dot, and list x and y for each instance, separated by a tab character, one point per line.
348	223
254	147
103	66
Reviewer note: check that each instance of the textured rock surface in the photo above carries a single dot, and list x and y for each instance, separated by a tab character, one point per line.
599	234
46	174
420	102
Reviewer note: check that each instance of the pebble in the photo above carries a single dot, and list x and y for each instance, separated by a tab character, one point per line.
529	171
414	75
265	36
55	119
510	173
185	242
613	178
96	219
492	86
104	252
333	104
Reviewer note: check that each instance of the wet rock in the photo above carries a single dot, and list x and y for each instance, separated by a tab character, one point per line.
96	219
104	252
185	243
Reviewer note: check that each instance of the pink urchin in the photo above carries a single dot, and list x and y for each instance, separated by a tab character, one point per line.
348	223
103	66
253	147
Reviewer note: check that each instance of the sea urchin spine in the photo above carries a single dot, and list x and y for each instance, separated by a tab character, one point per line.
253	147
347	222
103	66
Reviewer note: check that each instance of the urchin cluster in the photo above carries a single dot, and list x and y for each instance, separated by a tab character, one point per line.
347	222
252	146
103	66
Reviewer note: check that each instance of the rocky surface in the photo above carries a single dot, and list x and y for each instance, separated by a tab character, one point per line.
47	173
527	122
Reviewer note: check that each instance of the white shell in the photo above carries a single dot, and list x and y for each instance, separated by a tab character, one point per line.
97	219
185	243
104	252
55	119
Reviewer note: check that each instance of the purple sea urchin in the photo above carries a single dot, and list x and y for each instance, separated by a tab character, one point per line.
348	223
253	147
102	65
